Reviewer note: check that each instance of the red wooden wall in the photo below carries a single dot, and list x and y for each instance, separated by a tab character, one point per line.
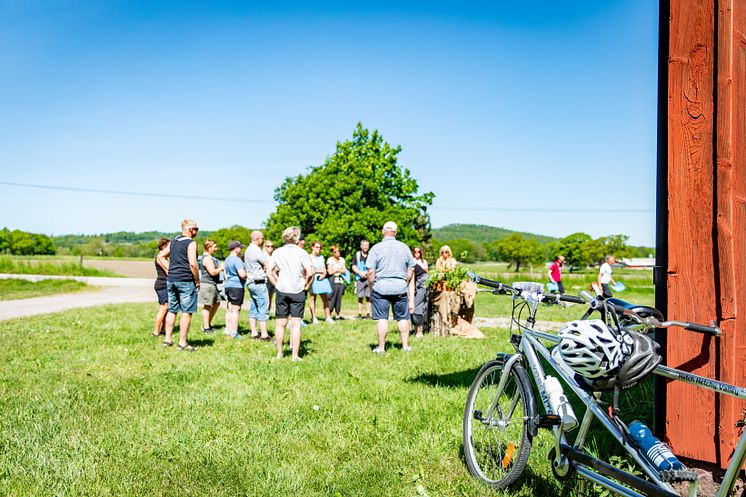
706	273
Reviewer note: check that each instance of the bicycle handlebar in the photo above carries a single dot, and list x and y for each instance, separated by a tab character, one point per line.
596	303
503	288
713	331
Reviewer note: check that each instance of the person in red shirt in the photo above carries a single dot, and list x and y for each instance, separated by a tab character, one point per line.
555	272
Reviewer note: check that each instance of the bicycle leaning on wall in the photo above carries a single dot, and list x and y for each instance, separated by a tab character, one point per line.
591	356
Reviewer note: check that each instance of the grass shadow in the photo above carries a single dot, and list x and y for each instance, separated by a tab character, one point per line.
454	379
305	350
202	342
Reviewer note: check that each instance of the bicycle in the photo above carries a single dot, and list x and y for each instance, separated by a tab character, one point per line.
502	415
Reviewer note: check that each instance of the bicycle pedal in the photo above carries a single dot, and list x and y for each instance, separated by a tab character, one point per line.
549	420
673	475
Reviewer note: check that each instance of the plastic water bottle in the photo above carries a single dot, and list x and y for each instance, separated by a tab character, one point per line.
657	451
559	403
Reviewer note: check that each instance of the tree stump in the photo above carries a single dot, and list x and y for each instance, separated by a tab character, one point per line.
451	308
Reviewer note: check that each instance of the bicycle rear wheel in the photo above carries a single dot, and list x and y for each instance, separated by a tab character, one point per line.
497	445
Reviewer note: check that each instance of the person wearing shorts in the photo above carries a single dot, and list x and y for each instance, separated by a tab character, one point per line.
390	269
362	287
161	286
235	278
291	272
209	277
182	284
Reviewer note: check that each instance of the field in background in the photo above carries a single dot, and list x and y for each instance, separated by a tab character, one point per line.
49	265
13	289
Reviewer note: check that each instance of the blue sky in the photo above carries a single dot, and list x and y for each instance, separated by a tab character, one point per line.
498	107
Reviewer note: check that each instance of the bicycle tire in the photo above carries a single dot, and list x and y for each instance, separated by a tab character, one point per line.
497	449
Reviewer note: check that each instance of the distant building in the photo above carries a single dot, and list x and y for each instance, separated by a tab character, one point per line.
638	262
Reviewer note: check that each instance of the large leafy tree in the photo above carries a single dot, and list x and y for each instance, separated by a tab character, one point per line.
520	251
581	250
351	195
223	237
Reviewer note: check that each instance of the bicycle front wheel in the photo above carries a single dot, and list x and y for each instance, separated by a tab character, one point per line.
496	438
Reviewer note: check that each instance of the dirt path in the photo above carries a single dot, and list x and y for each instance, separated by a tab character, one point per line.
112	291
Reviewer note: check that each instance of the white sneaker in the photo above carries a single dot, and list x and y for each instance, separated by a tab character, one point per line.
330	320
379	351
314	321
407	349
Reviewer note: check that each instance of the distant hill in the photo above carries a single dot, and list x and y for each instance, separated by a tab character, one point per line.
480	233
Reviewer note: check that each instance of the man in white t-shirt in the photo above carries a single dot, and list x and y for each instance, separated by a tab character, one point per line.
291	272
604	276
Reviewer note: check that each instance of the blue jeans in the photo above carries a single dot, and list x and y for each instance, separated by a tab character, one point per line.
182	296
259	301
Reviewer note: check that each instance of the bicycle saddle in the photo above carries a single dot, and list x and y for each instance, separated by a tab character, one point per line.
643	311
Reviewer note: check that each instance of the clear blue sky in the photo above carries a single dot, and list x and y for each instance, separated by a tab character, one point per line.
497	105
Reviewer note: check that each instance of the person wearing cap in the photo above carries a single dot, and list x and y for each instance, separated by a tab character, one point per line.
182	283
291	272
257	262
235	278
390	269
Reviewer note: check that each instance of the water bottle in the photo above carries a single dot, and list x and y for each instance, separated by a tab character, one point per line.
657	451
559	403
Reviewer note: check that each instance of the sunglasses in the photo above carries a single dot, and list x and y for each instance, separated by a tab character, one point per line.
194	228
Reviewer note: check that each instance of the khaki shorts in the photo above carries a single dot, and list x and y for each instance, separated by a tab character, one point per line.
208	294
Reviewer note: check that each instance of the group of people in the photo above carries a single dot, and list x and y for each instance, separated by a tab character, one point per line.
390	278
602	285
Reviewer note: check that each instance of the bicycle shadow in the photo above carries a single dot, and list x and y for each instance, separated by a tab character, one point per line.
454	379
534	482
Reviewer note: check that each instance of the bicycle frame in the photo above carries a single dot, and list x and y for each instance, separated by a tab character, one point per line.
529	347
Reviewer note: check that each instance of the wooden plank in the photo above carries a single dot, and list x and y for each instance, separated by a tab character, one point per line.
691	281
731	209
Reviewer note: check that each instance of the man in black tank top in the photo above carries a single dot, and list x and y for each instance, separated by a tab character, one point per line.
183	283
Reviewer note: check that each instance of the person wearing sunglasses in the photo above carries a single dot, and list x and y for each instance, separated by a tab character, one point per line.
268	248
418	292
182	284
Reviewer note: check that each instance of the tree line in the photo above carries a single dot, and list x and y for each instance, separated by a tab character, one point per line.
580	250
19	242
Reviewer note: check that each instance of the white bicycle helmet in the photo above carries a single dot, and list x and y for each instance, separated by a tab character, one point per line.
591	349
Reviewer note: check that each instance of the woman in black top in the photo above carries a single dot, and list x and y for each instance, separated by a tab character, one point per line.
161	271
418	292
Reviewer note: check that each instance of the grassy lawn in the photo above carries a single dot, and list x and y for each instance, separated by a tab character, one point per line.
47	266
94	406
12	289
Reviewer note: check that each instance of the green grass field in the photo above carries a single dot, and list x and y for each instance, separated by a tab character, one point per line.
92	405
47	266
12	289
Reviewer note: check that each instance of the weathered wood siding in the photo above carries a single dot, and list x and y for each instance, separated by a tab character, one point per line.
706	279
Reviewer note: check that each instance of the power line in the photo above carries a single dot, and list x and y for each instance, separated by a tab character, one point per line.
563	210
138	194
543	210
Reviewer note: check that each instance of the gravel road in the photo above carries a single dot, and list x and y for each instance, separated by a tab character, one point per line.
111	291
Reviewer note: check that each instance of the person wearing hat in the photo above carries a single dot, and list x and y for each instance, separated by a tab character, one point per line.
235	279
390	268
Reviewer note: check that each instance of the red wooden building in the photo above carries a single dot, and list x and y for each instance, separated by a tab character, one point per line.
701	273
